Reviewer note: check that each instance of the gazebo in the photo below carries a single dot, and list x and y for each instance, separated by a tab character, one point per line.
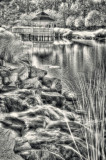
42	19
41	29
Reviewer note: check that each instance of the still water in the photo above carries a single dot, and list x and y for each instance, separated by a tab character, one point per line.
68	60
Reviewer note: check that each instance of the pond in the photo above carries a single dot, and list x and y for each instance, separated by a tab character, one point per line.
67	60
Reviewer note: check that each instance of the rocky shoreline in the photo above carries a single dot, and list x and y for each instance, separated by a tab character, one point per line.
42	117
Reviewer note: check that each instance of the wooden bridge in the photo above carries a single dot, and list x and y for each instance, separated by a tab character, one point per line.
34	33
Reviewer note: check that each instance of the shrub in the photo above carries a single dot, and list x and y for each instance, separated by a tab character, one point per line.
93	19
79	22
70	21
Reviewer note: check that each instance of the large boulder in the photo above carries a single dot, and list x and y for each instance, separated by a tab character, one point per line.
23	73
36	72
32	83
30	96
18	128
8	76
10	103
19	100
35	123
7	142
70	96
53	98
4	72
53	84
24	93
1	82
21	145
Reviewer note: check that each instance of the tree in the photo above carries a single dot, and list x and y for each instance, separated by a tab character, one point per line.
1	9
63	9
93	19
56	15
79	22
70	21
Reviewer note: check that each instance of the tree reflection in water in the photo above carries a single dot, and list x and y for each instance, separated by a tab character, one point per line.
72	59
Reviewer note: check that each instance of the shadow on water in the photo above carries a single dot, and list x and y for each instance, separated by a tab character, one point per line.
67	61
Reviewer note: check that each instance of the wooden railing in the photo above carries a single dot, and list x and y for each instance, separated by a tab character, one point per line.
34	31
23	30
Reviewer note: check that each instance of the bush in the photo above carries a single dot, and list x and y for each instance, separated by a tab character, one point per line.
70	21
93	19
79	22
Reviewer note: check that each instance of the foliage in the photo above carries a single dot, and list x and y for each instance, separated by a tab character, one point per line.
12	10
93	102
93	19
70	21
56	15
79	22
76	8
10	50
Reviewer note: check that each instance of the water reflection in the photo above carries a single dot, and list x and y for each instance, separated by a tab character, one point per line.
71	59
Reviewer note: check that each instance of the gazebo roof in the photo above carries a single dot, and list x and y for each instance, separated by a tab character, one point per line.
42	16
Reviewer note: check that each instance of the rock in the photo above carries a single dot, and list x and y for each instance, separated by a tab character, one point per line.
46	89
14	76
32	101
31	83
53	83
49	97
28	155
13	104
19	100
4	72
45	137
70	96
35	123
62	125
81	112
8	76
1	62
8	88
16	127
23	73
19	141
2	30
69	106
15	120
40	113
1	81
23	93
48	154
56	85
14	123
7	142
20	148
35	72
6	81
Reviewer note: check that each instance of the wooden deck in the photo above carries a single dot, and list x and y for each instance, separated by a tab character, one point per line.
35	33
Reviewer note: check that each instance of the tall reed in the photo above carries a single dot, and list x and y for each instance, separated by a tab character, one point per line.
92	101
93	90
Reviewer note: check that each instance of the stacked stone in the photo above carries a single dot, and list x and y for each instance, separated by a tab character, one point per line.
41	116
